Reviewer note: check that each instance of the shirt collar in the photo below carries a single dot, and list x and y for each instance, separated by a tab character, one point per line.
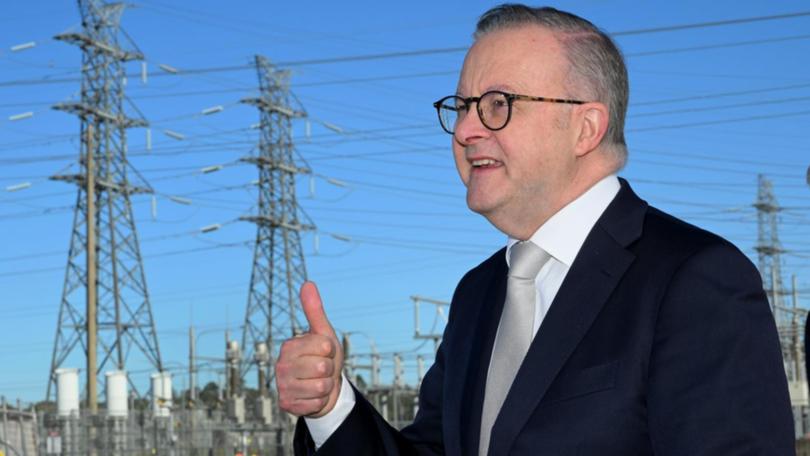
564	233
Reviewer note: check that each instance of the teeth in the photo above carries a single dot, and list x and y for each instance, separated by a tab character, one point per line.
483	162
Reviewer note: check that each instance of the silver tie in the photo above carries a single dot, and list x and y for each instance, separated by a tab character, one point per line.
514	332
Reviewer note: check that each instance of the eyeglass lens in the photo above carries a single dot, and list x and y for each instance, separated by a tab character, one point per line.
493	110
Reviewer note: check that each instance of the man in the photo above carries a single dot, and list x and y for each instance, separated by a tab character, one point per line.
639	334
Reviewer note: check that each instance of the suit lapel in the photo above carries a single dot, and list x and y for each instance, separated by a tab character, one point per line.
598	268
471	348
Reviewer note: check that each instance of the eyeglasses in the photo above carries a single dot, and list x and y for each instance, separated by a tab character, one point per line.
494	108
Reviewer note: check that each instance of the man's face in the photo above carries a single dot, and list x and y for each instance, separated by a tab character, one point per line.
516	177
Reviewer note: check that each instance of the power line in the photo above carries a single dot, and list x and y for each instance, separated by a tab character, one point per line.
400	77
721	121
718	46
720	107
155	255
682	165
715	158
746	20
721	95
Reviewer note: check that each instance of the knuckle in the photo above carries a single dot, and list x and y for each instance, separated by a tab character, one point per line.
324	386
326	347
286	346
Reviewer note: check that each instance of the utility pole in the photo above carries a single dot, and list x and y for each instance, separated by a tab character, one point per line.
192	368
797	323
92	277
348	360
273	311
117	315
398	384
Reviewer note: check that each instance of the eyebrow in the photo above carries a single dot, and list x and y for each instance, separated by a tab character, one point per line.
498	87
501	87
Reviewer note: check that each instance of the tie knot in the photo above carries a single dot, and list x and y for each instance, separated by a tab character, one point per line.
526	259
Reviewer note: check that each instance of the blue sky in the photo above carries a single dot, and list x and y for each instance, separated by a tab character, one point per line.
711	108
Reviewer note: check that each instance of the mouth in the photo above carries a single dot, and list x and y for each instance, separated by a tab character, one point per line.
483	163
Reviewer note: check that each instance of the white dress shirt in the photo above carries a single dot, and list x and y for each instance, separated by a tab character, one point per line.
561	236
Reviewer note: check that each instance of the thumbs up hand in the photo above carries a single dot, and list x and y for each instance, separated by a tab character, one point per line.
308	370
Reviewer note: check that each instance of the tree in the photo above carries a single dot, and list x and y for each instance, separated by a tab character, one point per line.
210	395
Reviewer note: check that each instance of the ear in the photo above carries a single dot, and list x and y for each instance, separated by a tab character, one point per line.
593	123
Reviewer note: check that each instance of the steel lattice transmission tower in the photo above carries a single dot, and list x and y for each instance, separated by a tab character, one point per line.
787	317
103	215
770	252
273	310
768	248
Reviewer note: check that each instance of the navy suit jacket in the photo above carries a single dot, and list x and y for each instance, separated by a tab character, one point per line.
660	341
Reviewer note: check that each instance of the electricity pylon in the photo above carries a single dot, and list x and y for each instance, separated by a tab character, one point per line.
768	248
787	317
104	267
273	311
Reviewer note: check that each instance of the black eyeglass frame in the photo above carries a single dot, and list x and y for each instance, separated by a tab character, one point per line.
510	98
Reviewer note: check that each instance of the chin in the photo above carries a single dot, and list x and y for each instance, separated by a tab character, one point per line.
480	207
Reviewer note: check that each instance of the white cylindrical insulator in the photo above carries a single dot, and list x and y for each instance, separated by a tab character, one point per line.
117	404
161	393
67	392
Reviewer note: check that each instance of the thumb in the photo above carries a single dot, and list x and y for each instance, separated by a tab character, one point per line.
313	310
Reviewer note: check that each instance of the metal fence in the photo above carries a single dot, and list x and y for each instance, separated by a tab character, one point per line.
185	432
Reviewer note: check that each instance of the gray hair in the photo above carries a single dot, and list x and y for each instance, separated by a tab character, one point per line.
596	62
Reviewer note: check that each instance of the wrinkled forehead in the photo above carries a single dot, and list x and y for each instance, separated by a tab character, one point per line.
526	58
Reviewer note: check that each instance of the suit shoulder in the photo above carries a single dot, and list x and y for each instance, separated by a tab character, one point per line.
671	236
662	227
485	269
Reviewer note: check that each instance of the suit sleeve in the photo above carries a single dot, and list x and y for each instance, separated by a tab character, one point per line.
365	432
716	381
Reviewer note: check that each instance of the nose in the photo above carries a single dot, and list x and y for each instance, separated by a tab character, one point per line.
469	129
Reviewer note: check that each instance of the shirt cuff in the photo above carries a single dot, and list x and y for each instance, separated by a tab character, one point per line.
322	428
